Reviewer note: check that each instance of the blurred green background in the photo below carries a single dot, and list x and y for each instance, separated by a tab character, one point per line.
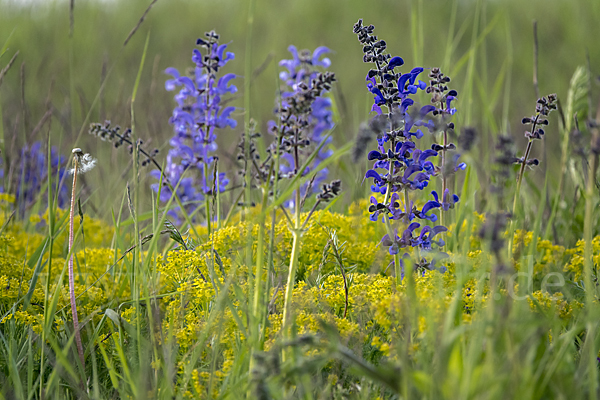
485	46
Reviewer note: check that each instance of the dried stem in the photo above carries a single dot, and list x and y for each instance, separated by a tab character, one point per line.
338	258
71	277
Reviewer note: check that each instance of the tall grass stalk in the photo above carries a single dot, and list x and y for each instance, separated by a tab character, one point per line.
50	236
576	107
139	281
2	73
591	290
254	292
258	301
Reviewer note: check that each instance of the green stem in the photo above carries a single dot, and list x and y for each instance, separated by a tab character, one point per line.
410	281
218	198
311	212
518	190
388	224
207	201
516	200
590	285
444	183
257	305
289	289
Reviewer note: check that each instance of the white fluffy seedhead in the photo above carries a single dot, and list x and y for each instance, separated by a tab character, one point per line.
86	161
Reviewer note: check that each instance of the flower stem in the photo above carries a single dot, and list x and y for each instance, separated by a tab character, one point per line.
516	199
287	308
444	183
207	201
518	190
71	277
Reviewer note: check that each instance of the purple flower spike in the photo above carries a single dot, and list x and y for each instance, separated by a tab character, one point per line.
195	119
301	79
407	167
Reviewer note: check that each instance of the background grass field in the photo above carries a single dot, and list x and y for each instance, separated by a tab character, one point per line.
486	47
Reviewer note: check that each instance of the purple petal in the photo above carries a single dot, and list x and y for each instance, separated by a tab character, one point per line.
426	154
411	170
395	62
438	229
375	155
372	174
386	241
319	51
173	72
413	226
222	87
414	73
429	206
426	110
187	82
402	81
405	104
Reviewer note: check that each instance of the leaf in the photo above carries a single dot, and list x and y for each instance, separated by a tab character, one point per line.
577	98
120	321
219	262
422	381
36	273
174	234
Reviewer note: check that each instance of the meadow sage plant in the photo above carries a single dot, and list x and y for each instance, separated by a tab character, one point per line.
108	133
303	117
400	167
196	118
302	69
543	107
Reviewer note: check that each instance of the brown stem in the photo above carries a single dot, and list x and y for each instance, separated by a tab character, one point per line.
71	277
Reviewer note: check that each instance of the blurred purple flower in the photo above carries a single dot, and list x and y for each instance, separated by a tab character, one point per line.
195	119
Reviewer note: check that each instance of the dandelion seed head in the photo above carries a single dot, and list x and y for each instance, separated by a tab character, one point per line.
86	161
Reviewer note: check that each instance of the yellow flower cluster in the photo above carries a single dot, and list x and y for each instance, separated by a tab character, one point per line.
575	265
204	291
98	283
554	302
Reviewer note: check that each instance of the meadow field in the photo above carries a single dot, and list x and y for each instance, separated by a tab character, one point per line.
299	199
